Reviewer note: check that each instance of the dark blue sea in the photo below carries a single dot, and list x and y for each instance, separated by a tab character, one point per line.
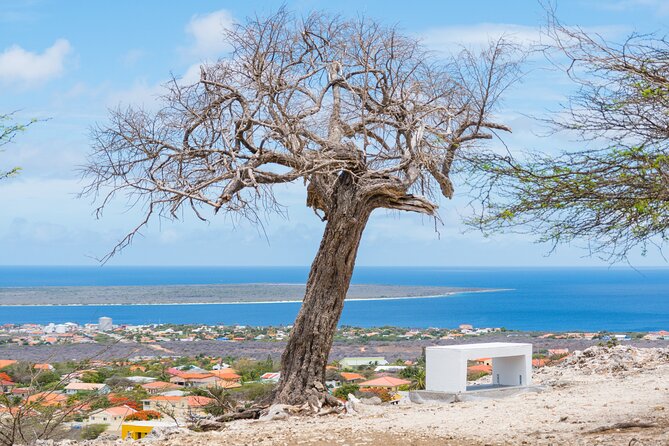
556	299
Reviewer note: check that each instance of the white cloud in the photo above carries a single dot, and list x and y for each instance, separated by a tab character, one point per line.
207	32
660	7
479	34
28	68
140	93
131	57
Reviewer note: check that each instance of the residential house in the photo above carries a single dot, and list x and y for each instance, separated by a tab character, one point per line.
6	383
47	399
44	367
74	388
156	387
385	382
350	363
227	374
140	379
177	406
349	377
483	361
226	378
194	379
270	377
6	363
112	416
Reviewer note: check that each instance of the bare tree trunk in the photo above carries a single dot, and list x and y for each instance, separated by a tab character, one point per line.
305	357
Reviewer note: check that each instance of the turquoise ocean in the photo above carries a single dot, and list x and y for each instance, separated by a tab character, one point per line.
559	299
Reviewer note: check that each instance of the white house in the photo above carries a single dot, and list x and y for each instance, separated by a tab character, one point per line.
80	387
270	377
112	416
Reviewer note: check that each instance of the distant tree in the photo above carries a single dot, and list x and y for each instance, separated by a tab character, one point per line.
365	116
615	197
8	131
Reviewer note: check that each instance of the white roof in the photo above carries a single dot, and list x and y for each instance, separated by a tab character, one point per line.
482	346
141	379
84	386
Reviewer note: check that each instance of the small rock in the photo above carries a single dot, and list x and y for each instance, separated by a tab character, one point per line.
276	412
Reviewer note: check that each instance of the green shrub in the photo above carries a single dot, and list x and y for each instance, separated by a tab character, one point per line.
253	392
476	375
93	431
343	391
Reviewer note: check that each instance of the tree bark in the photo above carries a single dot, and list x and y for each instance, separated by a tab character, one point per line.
305	357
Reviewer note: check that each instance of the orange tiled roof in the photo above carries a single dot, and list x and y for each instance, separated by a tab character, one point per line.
43	366
159	385
385	381
6	362
351	376
226	384
121	411
47	399
227	374
194	375
482	368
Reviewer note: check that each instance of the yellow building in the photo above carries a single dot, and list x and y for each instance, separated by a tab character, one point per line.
140	429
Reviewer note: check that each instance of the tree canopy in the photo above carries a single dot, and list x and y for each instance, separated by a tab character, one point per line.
612	192
304	99
8	130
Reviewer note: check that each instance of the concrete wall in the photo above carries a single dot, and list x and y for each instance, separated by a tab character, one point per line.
446	366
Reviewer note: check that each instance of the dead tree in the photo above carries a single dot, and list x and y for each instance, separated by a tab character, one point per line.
363	115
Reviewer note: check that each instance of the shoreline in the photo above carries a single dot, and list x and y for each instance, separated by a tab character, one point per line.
257	302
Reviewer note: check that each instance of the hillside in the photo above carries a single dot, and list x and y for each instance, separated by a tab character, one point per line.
586	398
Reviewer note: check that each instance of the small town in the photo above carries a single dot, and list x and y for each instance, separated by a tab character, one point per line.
127	398
105	332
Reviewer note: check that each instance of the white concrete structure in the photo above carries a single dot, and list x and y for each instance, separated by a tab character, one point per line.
446	366
105	324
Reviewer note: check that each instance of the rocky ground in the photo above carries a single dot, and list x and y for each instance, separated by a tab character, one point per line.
600	396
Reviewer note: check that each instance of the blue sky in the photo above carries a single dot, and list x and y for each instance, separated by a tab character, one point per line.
68	62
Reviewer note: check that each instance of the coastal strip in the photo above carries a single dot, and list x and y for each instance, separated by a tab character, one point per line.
358	299
208	294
